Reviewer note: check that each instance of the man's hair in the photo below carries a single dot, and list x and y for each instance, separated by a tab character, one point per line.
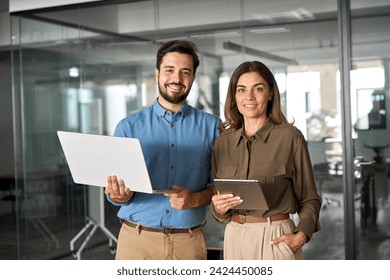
180	46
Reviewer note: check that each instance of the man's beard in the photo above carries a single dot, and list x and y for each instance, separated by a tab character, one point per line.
175	99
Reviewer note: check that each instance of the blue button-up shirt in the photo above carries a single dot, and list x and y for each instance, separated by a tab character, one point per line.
177	150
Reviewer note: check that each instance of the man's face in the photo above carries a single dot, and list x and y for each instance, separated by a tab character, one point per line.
175	77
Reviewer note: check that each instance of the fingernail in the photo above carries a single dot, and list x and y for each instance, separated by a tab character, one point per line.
272	243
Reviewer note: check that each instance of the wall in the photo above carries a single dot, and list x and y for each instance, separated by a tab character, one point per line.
6	139
6	127
23	5
6	113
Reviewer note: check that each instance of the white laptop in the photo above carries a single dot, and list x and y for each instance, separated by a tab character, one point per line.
92	158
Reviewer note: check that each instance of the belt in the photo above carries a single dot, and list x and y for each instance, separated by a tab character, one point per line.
160	230
242	218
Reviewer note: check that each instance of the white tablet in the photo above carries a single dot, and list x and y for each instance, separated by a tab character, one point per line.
249	190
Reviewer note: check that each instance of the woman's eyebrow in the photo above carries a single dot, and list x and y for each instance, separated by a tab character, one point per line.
257	84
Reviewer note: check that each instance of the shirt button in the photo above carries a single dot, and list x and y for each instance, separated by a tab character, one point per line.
172	125
172	167
172	145
167	211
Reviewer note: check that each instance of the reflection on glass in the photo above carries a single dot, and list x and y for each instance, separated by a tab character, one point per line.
371	109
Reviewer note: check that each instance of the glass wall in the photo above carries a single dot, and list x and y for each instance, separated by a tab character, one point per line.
74	71
370	103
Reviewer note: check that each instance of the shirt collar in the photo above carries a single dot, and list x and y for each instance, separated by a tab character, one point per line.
161	111
262	134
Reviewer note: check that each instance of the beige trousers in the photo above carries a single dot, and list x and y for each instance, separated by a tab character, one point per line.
251	241
135	244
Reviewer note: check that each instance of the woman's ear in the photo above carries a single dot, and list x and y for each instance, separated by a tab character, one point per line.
270	95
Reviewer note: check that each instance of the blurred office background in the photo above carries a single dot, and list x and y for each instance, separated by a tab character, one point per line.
83	65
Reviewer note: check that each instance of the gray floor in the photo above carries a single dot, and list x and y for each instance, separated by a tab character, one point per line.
327	244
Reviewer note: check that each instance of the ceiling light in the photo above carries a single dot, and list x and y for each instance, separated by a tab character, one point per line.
299	14
74	72
270	30
238	48
215	35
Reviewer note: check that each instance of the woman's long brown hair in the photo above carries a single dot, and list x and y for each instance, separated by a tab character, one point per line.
233	118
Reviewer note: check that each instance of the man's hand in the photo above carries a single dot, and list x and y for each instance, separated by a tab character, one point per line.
181	200
117	191
293	240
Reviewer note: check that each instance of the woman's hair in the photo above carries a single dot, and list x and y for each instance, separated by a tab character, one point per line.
233	118
180	46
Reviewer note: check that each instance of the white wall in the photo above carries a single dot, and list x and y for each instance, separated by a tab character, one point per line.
24	5
5	39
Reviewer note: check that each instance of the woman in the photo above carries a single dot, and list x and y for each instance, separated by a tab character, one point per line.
257	142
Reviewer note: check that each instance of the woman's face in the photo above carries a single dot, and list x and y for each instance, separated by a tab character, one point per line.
252	96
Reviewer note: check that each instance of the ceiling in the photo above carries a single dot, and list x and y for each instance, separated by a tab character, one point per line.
281	33
4	5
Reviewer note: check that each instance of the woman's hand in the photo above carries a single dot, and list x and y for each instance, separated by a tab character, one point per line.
293	240
224	202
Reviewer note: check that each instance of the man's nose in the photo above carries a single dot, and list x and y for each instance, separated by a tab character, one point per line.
176	77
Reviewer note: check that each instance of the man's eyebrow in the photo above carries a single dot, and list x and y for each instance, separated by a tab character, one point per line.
181	69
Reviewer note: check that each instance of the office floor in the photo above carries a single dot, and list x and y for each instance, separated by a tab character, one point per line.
327	244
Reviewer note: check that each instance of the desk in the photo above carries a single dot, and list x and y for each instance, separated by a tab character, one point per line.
8	188
214	235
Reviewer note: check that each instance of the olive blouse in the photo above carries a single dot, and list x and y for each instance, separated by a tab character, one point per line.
278	157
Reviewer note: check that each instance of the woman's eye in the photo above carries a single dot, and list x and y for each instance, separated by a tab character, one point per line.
259	89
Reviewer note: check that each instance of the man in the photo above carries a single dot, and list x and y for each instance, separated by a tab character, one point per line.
176	140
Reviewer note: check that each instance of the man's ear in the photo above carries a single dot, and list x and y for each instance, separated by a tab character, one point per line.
156	73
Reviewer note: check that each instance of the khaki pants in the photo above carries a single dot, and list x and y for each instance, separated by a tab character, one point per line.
251	241
135	244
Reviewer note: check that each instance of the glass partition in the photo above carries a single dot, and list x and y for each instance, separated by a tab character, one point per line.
370	96
74	71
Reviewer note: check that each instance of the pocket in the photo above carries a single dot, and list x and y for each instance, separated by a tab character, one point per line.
283	252
271	169
273	178
226	172
194	156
